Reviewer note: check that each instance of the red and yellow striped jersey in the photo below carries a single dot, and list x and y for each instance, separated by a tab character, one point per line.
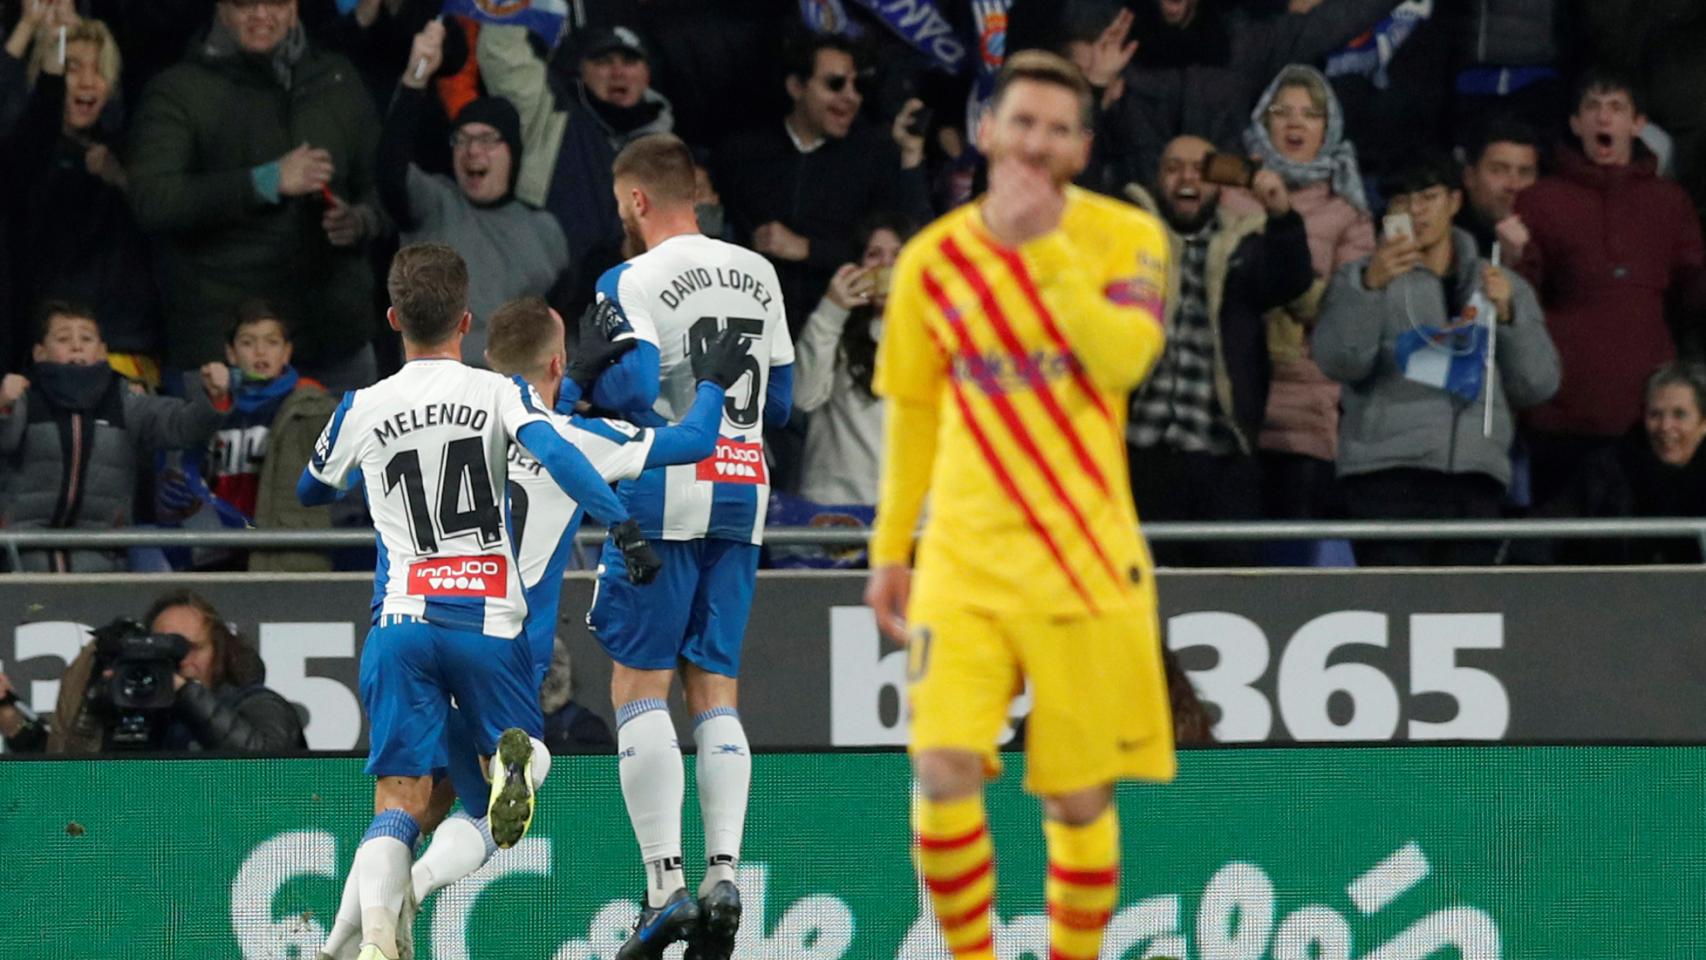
1006	374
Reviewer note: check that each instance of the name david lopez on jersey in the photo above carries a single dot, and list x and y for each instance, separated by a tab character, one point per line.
482	576
691	281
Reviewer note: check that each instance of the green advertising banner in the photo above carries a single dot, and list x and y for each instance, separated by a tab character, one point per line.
1379	853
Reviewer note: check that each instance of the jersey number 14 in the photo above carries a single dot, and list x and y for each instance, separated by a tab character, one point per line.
465	503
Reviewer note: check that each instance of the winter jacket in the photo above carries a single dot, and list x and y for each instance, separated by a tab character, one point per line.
1391	421
844	440
1303	402
290	445
569	149
202	128
512	249
1610	246
1204	78
1627	480
240	714
821	195
1507	33
81	241
1255	263
75	466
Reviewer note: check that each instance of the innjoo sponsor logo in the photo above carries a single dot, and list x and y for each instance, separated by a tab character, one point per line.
735	462
482	576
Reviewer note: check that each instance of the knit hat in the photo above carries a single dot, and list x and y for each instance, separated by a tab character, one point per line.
500	115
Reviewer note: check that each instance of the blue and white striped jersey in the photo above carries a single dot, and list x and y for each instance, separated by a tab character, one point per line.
431	443
678	296
544	517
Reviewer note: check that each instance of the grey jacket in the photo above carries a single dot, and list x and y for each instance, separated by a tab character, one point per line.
1390	421
94	485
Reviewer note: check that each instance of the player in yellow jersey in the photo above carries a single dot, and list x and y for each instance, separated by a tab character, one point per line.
1015	328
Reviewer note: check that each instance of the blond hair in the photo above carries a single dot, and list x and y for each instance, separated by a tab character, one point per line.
107	57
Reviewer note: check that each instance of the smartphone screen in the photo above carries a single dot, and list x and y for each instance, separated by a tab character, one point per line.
1397	225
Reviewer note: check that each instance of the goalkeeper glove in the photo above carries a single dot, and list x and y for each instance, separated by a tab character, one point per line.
637	554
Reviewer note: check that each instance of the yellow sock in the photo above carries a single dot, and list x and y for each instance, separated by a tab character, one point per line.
1083	884
957	861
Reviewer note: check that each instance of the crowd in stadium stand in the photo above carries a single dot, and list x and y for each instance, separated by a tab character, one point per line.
200	198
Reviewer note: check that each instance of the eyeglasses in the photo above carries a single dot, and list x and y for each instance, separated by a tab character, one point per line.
485	141
837	82
1291	113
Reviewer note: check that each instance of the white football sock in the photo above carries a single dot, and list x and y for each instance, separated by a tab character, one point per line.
652	786
724	769
382	866
459	846
346	927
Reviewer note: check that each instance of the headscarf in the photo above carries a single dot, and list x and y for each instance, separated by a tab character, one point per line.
1336	164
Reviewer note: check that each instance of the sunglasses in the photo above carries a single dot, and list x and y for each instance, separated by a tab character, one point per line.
837	82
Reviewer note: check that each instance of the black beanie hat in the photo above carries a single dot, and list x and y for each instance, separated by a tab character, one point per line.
500	115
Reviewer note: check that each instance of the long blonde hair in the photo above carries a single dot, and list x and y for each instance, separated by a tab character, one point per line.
108	59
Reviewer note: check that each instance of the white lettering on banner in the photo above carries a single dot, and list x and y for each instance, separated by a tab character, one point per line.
937	33
60	639
530	858
1308	678
862	677
1234	918
272	864
334	714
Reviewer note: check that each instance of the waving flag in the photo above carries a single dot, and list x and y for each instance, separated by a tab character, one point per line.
1452	358
544	17
1371	54
924	26
828	16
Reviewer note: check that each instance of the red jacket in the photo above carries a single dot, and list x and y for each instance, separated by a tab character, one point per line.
1610	245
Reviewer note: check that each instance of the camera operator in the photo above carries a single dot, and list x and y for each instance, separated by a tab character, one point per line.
185	681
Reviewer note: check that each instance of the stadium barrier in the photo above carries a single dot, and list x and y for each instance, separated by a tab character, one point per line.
1508	654
1380	853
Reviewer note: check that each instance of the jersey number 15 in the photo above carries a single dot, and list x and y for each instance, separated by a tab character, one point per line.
742	411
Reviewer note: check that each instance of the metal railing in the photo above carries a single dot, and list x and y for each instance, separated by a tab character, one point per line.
14	541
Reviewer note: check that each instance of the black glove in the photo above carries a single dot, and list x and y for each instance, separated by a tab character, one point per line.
723	360
642	561
592	350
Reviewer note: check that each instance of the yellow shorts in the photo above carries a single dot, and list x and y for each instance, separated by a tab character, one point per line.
1099	695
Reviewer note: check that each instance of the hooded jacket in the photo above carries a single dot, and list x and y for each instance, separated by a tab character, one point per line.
202	127
1254	264
72	462
1612	248
1391	421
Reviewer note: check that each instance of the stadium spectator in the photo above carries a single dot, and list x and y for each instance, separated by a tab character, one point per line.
68	201
246	477
252	162
1297	131
220	699
1612	246
1501	162
377	36
793	188
1195	421
1406	332
1659	43
1201	63
1393	84
512	250
572	137
74	435
569	726
1656	470
1508	58
833	364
